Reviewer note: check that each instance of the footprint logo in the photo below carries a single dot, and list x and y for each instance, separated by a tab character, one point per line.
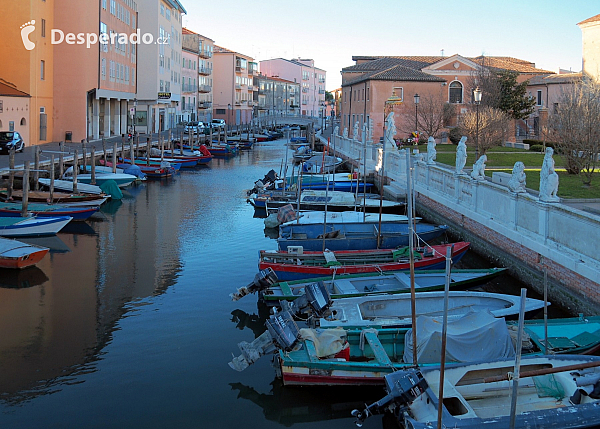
26	30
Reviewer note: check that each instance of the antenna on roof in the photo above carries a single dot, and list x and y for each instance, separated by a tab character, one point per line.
442	52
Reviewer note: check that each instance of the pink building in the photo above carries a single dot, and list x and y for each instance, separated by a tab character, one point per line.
14	110
303	71
233	86
202	49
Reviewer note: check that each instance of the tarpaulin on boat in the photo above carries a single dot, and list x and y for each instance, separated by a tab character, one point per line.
286	214
477	336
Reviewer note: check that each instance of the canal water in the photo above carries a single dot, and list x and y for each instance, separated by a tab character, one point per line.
128	321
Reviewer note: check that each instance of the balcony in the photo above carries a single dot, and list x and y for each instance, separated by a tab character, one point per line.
304	102
321	91
304	89
238	103
204	88
251	88
205	54
204	104
204	71
321	80
238	86
238	69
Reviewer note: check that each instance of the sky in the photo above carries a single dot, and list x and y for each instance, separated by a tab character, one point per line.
544	32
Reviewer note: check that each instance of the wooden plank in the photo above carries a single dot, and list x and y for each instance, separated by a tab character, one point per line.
378	350
285	289
311	350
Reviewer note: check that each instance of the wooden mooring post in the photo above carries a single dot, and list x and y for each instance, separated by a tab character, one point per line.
36	167
25	199
11	174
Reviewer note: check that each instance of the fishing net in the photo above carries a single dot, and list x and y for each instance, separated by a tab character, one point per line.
404	253
547	387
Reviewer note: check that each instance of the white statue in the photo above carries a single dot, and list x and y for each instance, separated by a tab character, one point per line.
345	134
478	172
336	131
355	135
390	130
548	179
461	155
518	178
431	152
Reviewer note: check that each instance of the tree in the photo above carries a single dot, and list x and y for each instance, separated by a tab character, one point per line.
575	127
501	90
493	127
328	96
433	114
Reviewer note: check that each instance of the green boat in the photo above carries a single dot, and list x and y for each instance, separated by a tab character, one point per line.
355	285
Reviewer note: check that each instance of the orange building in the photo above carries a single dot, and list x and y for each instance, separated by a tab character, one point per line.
28	62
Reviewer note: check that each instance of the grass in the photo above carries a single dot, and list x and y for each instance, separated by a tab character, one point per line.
504	158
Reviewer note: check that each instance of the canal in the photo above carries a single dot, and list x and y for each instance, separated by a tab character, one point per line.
128	321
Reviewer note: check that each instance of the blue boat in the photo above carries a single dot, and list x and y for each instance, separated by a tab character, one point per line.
353	236
8	209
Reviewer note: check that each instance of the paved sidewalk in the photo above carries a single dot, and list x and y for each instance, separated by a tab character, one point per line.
50	148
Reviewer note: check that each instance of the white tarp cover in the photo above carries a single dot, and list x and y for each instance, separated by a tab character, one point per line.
477	336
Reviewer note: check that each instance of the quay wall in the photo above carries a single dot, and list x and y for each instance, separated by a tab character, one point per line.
520	232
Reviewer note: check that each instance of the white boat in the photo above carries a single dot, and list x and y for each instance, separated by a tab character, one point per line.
321	164
32	226
319	217
67	185
121	179
316	200
15	254
395	311
555	391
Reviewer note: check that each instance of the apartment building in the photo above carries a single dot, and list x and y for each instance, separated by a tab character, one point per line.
303	71
27	68
189	81
202	49
233	89
158	104
275	96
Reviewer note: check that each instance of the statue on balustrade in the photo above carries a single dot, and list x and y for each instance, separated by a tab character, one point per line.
345	134
431	152
336	131
461	155
518	178
478	172
548	179
390	130
355	135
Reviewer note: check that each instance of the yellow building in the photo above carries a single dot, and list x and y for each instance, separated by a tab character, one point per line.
28	60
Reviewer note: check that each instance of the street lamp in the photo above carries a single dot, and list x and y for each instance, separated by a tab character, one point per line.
477	97
323	116
229	113
417	99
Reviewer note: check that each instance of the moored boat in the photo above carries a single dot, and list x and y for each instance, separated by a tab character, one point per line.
15	254
306	265
72	200
553	391
32	226
48	210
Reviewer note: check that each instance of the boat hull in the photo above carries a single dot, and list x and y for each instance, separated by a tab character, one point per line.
33	227
293	271
17	255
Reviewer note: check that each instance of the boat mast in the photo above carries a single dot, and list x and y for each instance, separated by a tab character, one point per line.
411	258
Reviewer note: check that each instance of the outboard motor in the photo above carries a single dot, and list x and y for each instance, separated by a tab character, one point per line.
316	300
403	388
262	280
282	333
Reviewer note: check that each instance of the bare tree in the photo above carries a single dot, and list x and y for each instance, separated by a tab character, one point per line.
491	131
432	115
575	127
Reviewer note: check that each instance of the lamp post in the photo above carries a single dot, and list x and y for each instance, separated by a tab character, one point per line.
477	98
229	114
134	115
417	99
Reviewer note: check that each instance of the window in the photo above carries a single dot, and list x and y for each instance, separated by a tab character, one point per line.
113	7
103	69
168	14
539	97
162	9
23	122
104	4
43	28
42	70
456	92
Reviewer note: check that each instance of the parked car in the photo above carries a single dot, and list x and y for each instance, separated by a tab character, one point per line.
10	140
194	128
219	123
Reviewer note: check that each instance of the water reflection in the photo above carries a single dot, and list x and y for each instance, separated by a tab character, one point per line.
21	279
254	322
52	242
288	406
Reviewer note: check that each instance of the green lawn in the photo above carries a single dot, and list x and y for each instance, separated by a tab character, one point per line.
504	158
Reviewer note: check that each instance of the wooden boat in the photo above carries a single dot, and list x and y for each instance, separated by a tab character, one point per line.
337	236
199	157
294	266
395	311
15	254
183	162
48	210
319	217
219	149
553	392
67	185
361	357
317	199
31	226
72	200
345	182
319	164
121	179
152	172
153	163
360	285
